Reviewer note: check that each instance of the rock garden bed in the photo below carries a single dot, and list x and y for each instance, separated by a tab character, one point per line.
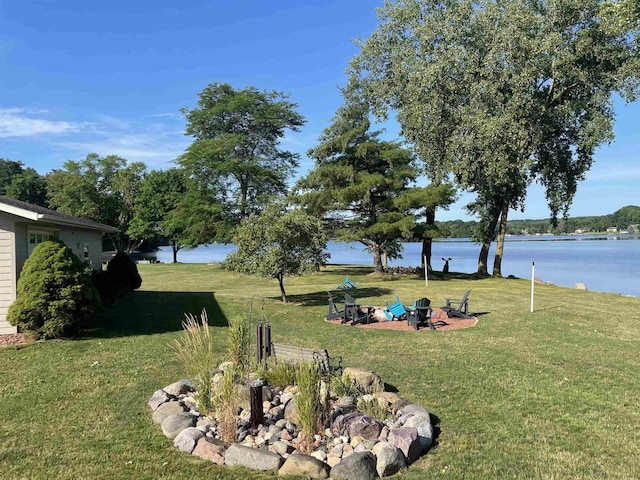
355	445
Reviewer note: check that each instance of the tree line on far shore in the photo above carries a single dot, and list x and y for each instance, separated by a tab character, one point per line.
490	97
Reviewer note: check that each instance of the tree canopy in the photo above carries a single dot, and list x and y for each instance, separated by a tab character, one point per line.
500	93
355	181
275	244
103	189
236	153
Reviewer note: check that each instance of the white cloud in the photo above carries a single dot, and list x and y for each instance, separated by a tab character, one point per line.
20	122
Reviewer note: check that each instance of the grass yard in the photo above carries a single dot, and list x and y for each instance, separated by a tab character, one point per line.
553	394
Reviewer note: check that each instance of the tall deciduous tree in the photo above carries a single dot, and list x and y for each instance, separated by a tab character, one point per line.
158	210
23	184
276	244
355	181
100	188
503	92
236	151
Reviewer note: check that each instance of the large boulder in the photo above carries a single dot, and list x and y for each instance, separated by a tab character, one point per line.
304	466
357	424
209	449
238	455
158	398
187	439
389	459
165	410
406	439
174	424
366	381
424	429
357	466
180	387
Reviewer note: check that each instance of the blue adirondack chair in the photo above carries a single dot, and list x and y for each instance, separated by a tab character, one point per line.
347	284
395	311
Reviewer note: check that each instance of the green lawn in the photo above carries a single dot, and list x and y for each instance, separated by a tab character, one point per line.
553	394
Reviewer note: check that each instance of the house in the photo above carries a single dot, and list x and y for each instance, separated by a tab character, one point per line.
23	226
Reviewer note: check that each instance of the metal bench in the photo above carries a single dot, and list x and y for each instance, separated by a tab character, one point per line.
294	354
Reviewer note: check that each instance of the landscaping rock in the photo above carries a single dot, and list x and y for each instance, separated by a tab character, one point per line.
406	439
359	466
165	410
210	449
291	411
238	455
415	409
357	424
424	429
180	387
158	398
399	405
366	380
187	439
174	424
389	459
580	286
304	466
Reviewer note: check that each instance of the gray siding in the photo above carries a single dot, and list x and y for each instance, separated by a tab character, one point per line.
7	272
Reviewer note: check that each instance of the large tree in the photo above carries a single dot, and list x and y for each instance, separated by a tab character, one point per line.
158	211
277	244
23	184
356	179
500	93
236	151
103	189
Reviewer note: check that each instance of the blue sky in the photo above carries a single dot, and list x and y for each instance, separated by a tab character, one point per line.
110	77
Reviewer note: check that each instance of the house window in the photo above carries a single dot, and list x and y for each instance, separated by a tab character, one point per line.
36	237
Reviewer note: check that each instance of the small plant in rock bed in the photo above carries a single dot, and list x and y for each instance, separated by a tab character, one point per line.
225	403
343	386
194	349
238	343
280	374
371	406
312	407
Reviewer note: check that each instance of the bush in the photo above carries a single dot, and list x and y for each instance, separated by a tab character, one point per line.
120	277
122	269
55	293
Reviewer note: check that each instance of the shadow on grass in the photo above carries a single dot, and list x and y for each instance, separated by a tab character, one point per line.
316	299
146	313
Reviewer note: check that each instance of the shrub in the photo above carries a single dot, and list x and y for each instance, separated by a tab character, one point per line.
120	277
123	270
225	402
55	293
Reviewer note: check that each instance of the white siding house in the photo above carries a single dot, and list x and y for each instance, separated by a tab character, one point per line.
23	226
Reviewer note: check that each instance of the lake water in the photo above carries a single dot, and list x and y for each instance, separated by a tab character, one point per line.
605	263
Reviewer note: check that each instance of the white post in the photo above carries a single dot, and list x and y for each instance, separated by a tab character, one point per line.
426	276
533	276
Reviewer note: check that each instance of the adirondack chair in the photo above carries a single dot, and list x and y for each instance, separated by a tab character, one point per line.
459	311
347	284
395	311
334	313
420	313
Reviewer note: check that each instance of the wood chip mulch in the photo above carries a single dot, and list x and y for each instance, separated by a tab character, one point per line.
439	318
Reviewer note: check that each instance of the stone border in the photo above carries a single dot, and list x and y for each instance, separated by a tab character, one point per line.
356	445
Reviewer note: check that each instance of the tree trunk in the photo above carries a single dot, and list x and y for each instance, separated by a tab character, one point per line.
487	238
280	278
502	233
426	253
428	242
377	258
175	254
